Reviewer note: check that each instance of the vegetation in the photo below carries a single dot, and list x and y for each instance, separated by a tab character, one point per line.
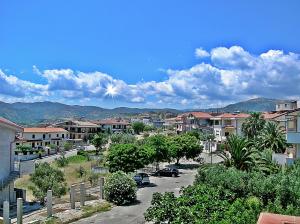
99	141
47	178
138	127
128	157
120	188
122	138
228	195
273	138
184	145
68	146
253	125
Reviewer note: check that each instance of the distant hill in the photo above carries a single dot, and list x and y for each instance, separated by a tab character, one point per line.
38	112
253	105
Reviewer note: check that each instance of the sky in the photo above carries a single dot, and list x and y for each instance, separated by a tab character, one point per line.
149	53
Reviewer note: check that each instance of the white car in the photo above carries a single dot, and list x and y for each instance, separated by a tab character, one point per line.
142	179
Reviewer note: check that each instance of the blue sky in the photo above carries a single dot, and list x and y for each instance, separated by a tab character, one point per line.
181	54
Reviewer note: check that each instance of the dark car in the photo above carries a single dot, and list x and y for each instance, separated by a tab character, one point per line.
142	179
167	172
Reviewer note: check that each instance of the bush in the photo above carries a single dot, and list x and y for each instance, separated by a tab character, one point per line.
120	188
47	178
62	161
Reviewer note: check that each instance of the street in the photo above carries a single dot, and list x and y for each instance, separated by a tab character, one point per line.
134	214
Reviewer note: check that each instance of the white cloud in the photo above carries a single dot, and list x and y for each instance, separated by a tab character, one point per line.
201	53
232	74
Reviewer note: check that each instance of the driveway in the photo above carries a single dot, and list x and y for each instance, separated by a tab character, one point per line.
51	158
133	214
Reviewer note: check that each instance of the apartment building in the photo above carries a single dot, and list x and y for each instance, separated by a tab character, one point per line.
8	173
227	124
113	125
285	105
42	137
194	121
79	130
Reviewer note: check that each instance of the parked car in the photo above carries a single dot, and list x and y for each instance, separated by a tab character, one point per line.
167	172
142	179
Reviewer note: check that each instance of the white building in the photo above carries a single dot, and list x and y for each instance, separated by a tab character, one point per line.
287	105
226	124
293	132
113	125
42	137
8	174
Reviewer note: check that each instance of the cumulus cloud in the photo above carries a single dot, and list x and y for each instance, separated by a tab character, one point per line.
230	74
201	53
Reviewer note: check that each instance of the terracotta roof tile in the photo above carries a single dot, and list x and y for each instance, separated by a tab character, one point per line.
44	130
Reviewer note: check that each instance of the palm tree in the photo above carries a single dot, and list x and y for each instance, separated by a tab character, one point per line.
239	154
273	138
265	163
253	125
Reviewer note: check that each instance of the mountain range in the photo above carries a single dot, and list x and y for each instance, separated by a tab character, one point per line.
42	112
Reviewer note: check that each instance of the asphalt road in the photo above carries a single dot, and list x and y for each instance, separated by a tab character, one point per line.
133	214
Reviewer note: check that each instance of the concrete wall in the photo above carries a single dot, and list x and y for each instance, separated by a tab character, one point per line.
7	136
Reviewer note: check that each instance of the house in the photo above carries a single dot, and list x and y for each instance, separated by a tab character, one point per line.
112	125
158	123
8	173
285	105
170	123
228	123
79	130
41	138
194	121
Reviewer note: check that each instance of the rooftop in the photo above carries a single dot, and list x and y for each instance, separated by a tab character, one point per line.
269	218
44	130
10	124
111	122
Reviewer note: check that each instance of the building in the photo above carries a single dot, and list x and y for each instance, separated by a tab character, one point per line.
170	123
113	125
43	137
285	105
79	130
158	123
194	121
8	174
227	124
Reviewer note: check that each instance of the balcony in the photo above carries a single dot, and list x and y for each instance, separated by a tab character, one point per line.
293	137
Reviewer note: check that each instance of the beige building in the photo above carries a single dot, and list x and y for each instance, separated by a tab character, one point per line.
113	125
194	121
227	124
42	137
8	173
79	130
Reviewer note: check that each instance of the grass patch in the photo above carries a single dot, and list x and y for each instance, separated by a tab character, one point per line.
77	159
89	210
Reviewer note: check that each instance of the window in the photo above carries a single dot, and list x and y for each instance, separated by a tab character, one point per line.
49	135
33	136
217	122
57	135
44	136
62	135
285	105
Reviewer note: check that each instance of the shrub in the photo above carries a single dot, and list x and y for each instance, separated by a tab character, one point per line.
62	161
47	178
120	188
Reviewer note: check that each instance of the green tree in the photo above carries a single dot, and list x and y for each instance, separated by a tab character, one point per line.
253	125
273	138
160	147
127	157
24	148
239	154
120	188
138	127
99	141
47	178
67	146
122	138
184	145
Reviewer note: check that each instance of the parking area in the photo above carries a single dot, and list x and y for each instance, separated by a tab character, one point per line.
133	214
